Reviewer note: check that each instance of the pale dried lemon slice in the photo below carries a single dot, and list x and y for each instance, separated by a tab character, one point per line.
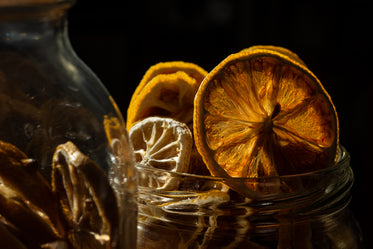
162	143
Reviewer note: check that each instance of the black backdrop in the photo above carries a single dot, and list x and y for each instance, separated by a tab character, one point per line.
120	40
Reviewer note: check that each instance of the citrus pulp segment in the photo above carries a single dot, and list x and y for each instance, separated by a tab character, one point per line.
260	113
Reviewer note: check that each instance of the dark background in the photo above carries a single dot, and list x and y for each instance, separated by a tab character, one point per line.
121	40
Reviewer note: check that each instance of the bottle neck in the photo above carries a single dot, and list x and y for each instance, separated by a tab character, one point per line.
32	25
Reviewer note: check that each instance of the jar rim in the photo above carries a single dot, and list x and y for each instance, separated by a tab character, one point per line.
342	163
302	195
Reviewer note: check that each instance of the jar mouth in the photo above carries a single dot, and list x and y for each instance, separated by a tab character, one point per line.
314	183
343	162
203	207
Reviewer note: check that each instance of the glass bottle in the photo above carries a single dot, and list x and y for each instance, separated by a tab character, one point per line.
298	211
66	164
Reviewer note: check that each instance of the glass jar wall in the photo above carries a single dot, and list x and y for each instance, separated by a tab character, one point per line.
66	165
299	211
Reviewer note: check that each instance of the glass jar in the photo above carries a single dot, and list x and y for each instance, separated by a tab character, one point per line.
299	211
66	164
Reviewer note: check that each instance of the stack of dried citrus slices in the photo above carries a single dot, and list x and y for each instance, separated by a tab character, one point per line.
259	113
78	210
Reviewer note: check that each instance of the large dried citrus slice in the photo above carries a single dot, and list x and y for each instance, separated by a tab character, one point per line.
170	67
162	143
261	113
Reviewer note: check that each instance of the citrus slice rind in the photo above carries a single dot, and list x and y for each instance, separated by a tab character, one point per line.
278	49
162	143
260	113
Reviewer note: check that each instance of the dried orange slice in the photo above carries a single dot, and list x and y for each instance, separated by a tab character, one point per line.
167	95
162	143
262	113
192	70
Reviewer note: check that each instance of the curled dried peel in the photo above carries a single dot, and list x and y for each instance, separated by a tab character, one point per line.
260	113
86	197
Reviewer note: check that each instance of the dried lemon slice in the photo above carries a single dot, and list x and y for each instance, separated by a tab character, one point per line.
260	113
168	95
88	201
192	70
162	143
168	90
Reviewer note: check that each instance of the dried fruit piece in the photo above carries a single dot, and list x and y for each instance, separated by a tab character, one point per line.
260	113
26	222
88	201
164	68
168	90
162	143
24	190
167	95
